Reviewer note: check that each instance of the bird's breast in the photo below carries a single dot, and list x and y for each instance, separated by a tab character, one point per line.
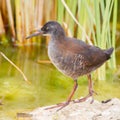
69	64
55	54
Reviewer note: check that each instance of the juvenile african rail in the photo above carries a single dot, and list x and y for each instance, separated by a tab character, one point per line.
72	57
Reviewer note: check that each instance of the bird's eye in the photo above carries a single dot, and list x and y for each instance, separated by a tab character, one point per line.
47	28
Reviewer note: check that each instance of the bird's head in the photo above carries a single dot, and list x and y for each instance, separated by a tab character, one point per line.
50	28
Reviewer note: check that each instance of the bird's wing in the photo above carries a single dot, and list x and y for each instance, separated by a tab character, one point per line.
92	55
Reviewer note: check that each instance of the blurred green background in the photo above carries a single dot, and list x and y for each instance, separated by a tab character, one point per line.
96	22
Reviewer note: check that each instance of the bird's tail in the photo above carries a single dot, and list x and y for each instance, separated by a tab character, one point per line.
108	52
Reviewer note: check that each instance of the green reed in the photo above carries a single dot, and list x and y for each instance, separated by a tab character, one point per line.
95	16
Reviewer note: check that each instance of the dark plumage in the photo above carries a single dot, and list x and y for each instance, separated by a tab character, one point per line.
71	56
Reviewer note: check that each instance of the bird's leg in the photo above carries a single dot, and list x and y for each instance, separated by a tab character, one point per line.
91	91
73	91
62	105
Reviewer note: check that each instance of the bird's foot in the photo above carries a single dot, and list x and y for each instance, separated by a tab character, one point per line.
91	92
84	99
61	105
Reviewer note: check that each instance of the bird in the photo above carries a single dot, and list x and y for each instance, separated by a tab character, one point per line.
72	57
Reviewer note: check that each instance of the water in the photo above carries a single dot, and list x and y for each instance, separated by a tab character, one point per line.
48	86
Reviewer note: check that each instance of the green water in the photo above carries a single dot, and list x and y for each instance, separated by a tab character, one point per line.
48	85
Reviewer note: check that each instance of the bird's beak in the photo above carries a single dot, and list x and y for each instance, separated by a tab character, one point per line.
38	32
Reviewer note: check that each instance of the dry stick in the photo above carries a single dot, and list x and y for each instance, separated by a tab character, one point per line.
25	78
10	17
67	8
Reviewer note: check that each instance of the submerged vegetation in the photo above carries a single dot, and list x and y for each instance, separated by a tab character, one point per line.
92	21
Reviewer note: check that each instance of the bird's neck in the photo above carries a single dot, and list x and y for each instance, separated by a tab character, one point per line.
58	36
